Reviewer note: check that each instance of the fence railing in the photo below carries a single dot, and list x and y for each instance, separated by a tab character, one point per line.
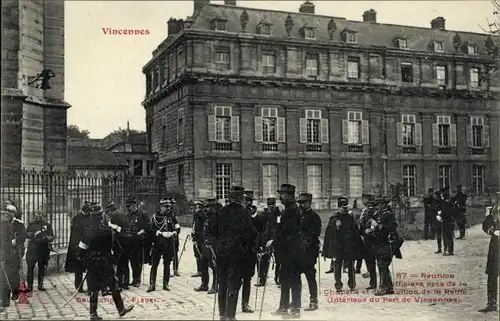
60	195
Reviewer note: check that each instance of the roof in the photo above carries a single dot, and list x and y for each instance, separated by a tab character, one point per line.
87	156
134	138
373	34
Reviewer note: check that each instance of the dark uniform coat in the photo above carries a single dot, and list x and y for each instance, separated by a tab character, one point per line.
78	224
39	246
310	228
343	242
385	235
199	219
288	243
267	219
491	224
161	245
20	235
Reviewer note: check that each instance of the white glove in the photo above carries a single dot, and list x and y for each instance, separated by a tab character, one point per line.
14	242
438	218
269	243
158	233
496	233
374	223
167	234
439	212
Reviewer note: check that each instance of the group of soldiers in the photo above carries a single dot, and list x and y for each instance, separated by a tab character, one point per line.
442	211
14	234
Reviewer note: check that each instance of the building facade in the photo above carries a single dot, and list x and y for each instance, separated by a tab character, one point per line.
335	107
33	119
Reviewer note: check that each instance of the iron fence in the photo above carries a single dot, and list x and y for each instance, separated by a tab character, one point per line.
60	195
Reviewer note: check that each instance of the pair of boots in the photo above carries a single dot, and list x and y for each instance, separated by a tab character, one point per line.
204	288
152	279
313	304
117	298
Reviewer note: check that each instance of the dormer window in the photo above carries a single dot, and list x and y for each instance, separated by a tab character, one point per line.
472	49
402	43
438	46
349	36
264	28
309	33
219	24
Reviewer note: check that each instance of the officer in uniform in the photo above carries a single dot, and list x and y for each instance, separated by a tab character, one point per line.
491	226
460	203
234	236
40	235
267	221
199	220
175	262
289	251
131	236
163	228
368	248
212	212
6	252
446	216
430	214
342	243
364	199
384	225
95	253
310	228
251	258
19	236
73	265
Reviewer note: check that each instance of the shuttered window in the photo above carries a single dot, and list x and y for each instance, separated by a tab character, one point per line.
355	130
223	127
478	134
444	133
269	128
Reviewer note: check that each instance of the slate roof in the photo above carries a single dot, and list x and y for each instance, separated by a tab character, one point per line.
374	34
91	157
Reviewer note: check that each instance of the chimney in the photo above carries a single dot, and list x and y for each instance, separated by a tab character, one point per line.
370	16
173	26
230	2
307	7
438	23
198	4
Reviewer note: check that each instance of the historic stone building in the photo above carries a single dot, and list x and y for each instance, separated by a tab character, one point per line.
33	115
333	106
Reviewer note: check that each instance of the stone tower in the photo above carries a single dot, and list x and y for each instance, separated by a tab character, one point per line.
34	120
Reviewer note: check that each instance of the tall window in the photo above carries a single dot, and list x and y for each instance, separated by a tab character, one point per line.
441	75
444	123
351	37
403	43
444	176
268	62
472	49
222	180
269	180
313	126
474	77
355	180
222	58
409	179
164	132
181	126
311	65
222	124
269	120
180	176
408	130
478	179
355	130
314	180
353	68
438	46
406	72
477	124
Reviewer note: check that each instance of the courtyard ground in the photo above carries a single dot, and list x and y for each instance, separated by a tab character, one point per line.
462	281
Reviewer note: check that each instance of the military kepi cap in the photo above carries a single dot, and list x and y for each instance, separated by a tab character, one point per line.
305	197
96	209
249	195
110	207
287	188
381	200
342	201
271	201
164	202
237	191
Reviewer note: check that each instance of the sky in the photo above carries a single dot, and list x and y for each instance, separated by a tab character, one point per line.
104	80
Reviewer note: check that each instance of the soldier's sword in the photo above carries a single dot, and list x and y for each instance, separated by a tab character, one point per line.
183	248
76	292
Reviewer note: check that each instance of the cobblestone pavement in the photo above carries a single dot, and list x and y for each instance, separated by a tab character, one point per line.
467	267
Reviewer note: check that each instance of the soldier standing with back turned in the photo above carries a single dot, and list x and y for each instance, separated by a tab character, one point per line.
267	220
429	214
212	211
199	220
460	203
446	217
251	257
310	228
368	247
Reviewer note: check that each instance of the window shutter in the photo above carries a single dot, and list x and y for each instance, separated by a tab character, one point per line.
324	131
399	133
258	129
303	130
418	134
453	135
469	136
280	130
435	134
486	136
345	131
211	128
235	128
163	131
365	136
